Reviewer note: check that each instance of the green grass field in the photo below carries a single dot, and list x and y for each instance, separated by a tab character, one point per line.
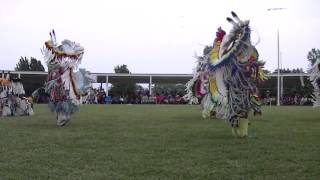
159	142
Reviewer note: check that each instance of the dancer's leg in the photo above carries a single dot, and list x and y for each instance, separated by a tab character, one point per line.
243	127
62	118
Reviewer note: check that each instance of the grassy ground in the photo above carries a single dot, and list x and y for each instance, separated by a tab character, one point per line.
159	142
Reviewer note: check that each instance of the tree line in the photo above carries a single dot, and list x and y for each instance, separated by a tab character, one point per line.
24	64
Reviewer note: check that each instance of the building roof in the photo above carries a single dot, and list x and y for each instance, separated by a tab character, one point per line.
32	76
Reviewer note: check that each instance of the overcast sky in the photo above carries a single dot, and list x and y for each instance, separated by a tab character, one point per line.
155	36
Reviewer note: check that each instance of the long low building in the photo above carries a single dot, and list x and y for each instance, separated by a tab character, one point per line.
30	77
133	77
109	77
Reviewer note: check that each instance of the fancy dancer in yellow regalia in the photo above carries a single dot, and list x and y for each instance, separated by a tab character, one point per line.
226	76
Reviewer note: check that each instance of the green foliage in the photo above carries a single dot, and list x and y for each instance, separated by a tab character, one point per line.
121	69
160	142
35	65
25	65
313	55
22	65
291	86
123	87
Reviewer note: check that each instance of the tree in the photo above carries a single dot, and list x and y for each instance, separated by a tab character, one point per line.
313	55
121	69
169	89
123	87
25	65
35	65
22	65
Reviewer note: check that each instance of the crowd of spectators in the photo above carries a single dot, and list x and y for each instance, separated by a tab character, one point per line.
289	100
99	96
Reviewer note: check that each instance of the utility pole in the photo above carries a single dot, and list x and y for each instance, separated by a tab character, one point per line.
278	57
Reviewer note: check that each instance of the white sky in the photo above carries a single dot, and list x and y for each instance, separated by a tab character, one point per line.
155	36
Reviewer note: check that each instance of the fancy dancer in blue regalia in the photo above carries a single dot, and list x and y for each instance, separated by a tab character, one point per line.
63	85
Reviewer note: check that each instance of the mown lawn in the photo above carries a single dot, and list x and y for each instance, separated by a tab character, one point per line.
159	142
